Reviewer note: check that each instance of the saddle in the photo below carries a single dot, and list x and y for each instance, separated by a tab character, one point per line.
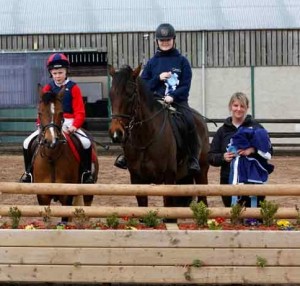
73	142
76	146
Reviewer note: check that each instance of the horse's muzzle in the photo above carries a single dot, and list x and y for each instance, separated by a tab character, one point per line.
50	144
117	136
116	131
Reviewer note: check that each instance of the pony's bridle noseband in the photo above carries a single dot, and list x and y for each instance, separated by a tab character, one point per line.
52	127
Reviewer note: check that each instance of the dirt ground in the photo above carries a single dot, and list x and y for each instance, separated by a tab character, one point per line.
286	172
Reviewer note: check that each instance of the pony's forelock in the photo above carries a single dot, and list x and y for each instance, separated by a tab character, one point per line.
48	97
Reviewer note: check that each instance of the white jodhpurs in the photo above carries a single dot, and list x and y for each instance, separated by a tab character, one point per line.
27	140
85	141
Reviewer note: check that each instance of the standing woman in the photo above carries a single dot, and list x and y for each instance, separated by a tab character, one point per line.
220	155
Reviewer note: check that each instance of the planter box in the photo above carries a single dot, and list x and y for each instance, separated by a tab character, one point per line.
149	256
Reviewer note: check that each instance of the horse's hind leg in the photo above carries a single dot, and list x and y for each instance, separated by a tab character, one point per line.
142	201
88	199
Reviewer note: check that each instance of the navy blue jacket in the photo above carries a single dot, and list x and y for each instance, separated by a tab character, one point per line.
67	99
165	62
220	142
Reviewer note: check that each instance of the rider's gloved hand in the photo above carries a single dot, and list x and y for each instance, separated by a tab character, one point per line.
71	129
168	99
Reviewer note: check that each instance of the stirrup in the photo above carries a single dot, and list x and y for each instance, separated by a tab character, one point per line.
194	167
26	178
121	162
87	178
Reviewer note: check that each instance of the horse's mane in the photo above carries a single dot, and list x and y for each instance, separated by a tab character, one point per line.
146	96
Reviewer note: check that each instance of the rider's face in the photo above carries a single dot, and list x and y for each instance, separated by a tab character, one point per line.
166	45
59	75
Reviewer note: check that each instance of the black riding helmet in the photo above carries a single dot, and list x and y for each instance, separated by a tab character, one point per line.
165	31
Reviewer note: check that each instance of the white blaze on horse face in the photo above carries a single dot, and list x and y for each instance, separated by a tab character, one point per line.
115	135
51	129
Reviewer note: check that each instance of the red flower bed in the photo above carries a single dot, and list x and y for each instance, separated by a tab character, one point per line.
227	226
98	226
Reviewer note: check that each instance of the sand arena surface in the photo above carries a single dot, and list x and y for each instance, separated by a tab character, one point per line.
286	172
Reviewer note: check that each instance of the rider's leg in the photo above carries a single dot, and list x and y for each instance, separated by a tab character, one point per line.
86	157
121	162
193	162
86	160
27	176
193	141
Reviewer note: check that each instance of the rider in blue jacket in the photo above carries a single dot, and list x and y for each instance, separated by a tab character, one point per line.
168	75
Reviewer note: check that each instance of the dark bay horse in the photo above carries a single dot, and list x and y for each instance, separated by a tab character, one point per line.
53	160
143	126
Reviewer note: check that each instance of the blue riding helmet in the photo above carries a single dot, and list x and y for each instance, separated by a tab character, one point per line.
57	61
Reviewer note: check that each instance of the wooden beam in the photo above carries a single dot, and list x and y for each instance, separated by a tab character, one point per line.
162	212
151	190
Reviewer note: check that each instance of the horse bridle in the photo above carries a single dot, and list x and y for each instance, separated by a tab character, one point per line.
132	118
60	138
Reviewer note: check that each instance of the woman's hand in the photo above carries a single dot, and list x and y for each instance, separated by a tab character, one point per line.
228	156
246	152
164	75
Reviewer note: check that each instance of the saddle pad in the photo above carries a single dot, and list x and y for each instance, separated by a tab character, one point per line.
72	146
75	150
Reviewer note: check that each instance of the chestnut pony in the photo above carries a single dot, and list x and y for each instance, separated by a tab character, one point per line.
53	160
143	126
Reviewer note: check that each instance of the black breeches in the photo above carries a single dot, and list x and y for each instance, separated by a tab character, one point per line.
184	108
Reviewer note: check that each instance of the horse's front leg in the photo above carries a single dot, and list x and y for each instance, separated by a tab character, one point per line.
170	201
141	200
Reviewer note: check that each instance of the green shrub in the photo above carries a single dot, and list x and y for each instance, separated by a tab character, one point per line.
15	216
267	211
112	221
200	212
236	213
151	219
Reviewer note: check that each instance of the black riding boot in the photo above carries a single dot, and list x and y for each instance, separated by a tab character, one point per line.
86	160
193	161
27	176
121	162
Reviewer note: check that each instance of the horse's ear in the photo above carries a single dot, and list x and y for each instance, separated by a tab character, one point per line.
137	70
111	70
40	90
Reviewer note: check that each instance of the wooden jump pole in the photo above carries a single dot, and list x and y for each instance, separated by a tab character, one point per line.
176	212
150	190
